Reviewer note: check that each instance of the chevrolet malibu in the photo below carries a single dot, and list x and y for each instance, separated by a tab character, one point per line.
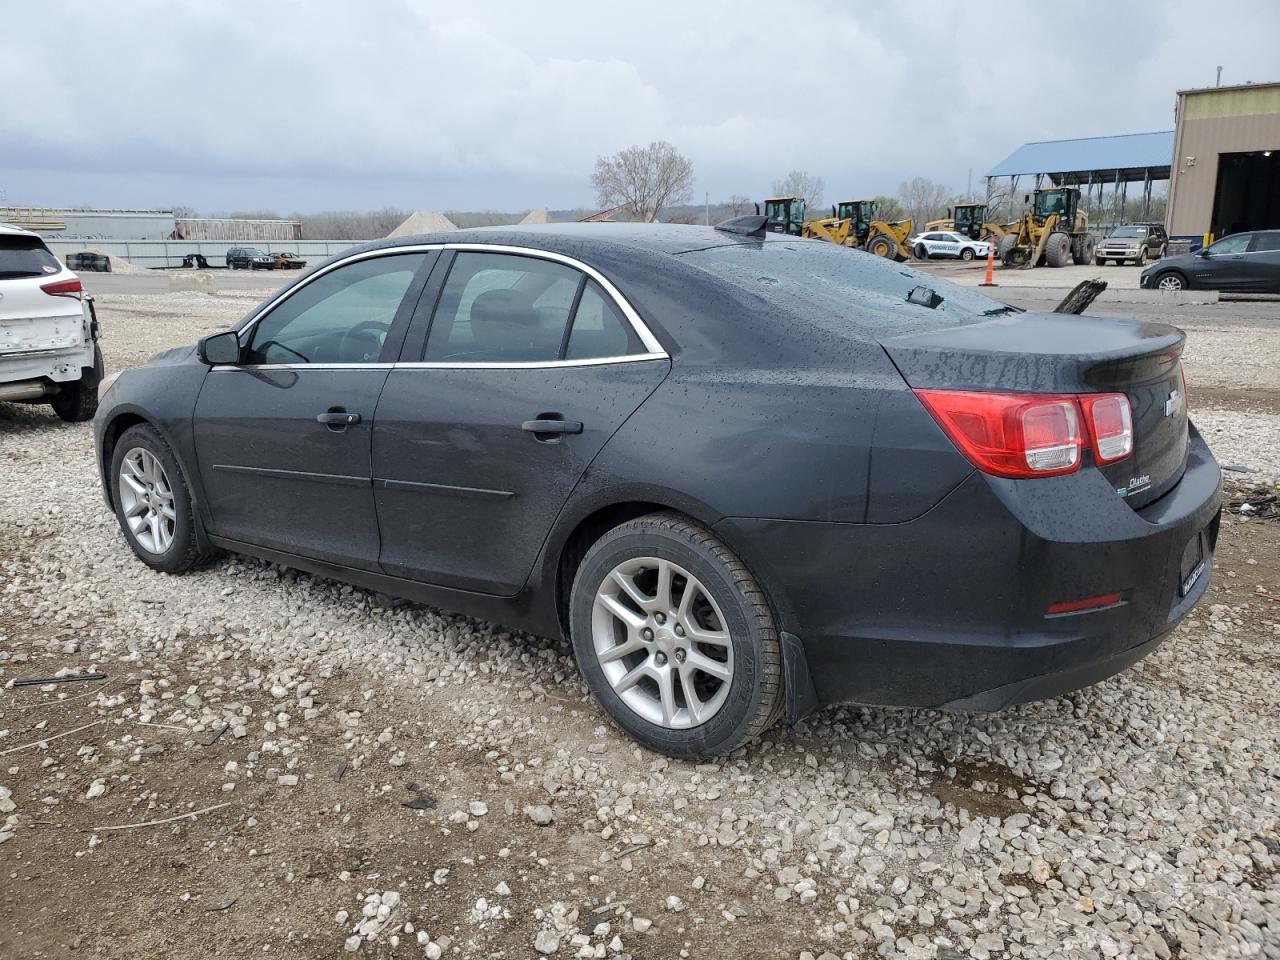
747	475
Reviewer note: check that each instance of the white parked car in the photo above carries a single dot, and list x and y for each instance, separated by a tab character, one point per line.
947	243
48	333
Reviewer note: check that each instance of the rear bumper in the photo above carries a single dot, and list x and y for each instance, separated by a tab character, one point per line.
949	609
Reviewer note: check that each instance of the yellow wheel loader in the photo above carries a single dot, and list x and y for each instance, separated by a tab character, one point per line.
970	219
1054	231
879	237
786	215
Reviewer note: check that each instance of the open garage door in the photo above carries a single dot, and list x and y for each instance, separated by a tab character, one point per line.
1248	192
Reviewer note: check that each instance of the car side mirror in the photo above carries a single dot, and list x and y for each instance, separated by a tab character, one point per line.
1202	252
219	349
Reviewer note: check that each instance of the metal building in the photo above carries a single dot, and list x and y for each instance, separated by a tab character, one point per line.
1226	170
1096	165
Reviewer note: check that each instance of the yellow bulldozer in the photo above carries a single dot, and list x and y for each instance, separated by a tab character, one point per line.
970	219
1053	231
852	223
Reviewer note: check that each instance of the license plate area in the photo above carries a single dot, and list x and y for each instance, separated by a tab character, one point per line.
1193	564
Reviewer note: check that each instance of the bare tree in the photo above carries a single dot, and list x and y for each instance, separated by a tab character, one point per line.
798	183
923	200
739	206
644	179
888	208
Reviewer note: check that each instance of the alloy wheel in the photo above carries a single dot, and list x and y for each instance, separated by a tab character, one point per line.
147	499
662	642
1170	282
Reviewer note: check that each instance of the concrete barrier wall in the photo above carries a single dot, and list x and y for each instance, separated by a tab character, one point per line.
170	253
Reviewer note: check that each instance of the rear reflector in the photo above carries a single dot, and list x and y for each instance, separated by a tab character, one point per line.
63	288
1015	435
1088	603
1110	422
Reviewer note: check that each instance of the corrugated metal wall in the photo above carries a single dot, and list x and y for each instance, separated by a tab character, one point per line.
1211	122
242	231
170	253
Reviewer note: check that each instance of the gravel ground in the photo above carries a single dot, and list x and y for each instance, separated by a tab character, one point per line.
338	772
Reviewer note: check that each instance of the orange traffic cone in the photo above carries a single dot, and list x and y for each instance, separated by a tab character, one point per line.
991	262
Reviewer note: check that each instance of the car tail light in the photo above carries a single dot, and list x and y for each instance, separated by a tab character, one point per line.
1014	435
1022	435
1110	421
1186	397
63	288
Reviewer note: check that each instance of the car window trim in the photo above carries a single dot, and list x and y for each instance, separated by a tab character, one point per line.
653	349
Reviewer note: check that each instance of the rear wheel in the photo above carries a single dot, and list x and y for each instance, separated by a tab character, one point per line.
1005	248
675	638
153	503
921	252
882	246
1057	250
1083	250
77	402
1142	257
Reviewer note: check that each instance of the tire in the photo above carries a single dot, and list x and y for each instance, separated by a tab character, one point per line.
78	402
1170	281
967	254
921	252
1141	260
1005	249
182	551
1161	252
882	246
728	600
1083	252
1099	262
1057	250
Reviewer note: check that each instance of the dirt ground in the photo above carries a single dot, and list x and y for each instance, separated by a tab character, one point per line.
269	753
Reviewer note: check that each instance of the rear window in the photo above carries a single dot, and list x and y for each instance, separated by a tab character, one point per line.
26	257
833	284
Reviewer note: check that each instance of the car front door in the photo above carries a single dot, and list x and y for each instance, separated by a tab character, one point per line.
531	363
1222	266
1262	262
283	437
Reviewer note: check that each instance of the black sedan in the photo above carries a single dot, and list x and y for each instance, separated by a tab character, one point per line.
249	258
746	474
1242	263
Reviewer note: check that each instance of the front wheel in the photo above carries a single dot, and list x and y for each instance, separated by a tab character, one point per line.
882	247
1170	282
675	638
967	253
153	504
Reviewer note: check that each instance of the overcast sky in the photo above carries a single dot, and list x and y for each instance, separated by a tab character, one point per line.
305	105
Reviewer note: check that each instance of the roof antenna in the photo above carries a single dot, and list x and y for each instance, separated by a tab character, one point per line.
748	226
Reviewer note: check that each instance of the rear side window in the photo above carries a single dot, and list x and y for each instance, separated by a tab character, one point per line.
1265	242
599	329
26	257
506	308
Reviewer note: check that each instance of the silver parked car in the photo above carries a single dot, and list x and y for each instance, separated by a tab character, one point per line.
1138	242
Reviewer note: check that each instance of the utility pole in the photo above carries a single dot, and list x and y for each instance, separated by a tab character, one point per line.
706	197
1218	83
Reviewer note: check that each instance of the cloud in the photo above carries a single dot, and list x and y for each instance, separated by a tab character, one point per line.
508	104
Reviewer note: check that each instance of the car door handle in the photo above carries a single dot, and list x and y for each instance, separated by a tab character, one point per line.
338	418
552	426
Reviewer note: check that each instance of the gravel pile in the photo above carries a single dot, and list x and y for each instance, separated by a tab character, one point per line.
482	806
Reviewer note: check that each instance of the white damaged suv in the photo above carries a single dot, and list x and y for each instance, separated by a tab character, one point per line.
48	332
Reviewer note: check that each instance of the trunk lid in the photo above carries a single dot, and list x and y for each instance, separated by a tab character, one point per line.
1056	353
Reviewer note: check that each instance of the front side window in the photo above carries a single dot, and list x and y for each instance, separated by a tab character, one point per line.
1233	244
507	308
341	317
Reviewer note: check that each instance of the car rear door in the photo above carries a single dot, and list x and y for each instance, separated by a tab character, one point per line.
504	395
1262	262
283	438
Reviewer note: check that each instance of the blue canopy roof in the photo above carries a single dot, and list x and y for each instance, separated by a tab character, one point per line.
1130	155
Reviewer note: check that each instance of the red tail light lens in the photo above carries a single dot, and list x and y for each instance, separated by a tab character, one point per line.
1186	397
1110	422
1021	435
63	288
1015	435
